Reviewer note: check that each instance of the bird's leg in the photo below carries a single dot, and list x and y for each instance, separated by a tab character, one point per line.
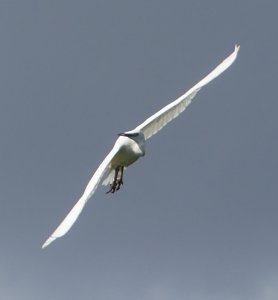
114	185
120	181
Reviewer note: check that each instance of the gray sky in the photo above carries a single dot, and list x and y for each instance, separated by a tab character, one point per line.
197	216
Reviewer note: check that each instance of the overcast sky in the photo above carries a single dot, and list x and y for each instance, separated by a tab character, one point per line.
196	218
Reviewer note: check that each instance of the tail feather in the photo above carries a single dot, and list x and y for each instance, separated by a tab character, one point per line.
110	177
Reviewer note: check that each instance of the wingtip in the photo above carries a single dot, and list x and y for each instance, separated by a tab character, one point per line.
237	47
48	241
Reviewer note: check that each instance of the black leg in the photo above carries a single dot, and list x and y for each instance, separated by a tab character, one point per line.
113	186
116	184
120	181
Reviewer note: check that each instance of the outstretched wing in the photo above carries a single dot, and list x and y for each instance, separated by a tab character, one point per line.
72	216
157	121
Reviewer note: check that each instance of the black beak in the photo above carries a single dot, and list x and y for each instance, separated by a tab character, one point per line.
121	134
130	135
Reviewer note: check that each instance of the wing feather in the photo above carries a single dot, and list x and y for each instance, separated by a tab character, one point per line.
72	216
157	121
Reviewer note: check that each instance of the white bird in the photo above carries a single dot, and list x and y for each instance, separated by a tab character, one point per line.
130	146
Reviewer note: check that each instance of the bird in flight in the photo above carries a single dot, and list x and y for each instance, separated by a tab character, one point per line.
130	145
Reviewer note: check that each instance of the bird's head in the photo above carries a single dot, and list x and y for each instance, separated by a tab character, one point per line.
133	134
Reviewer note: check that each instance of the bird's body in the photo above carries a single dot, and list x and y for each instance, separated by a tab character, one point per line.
130	146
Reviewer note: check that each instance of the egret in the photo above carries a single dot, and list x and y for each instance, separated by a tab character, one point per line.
130	146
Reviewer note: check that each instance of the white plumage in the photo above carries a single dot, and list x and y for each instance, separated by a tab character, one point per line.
131	145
